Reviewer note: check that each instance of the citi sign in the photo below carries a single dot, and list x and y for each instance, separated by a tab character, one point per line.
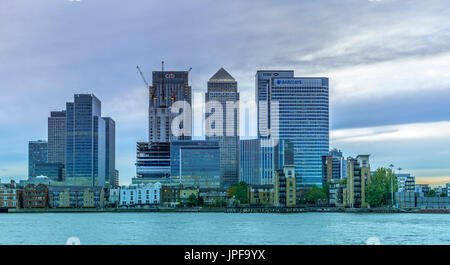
288	82
170	75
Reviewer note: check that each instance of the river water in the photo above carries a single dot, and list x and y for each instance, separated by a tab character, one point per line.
224	228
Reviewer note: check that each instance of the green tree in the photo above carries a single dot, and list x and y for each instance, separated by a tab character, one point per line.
239	191
315	194
326	189
431	193
192	200
443	195
379	188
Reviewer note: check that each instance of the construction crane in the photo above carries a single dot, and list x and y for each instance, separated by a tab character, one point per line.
152	92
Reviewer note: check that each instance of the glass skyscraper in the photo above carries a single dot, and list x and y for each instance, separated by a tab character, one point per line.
110	150
37	153
85	149
224	126
300	113
57	137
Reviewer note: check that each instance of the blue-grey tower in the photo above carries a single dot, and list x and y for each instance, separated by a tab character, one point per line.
85	149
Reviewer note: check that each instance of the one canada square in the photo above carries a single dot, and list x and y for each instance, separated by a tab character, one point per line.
222	123
296	109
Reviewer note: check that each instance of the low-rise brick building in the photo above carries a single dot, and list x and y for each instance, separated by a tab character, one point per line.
35	196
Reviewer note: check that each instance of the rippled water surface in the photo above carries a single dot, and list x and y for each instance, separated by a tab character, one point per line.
224	228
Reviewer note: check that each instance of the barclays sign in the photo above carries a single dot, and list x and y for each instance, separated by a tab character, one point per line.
294	82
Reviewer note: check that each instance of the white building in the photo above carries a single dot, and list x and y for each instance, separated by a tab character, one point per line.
406	182
140	194
114	196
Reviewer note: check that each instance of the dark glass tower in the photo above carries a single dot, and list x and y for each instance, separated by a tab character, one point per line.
110	150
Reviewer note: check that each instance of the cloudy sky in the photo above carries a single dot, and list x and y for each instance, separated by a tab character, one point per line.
388	63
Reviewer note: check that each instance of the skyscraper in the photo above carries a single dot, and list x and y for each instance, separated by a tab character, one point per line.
57	137
85	149
167	88
299	113
222	123
262	97
110	150
37	153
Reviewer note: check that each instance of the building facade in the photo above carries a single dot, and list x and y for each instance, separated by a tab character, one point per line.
334	166
222	123
262	97
76	197
57	137
85	138
406	182
299	111
140	195
9	195
54	171
152	160
196	161
110	151
357	181
37	153
261	194
167	88
35	196
250	161
285	189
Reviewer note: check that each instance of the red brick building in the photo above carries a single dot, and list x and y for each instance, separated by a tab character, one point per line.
35	196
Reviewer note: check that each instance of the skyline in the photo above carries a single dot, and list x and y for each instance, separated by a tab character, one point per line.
397	121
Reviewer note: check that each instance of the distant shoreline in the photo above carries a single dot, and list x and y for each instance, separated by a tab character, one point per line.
224	210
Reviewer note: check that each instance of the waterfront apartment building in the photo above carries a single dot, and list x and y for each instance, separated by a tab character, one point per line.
195	163
140	195
261	194
334	166
299	112
167	88
85	138
37	153
35	196
354	193
9	195
76	197
406	182
285	187
222	123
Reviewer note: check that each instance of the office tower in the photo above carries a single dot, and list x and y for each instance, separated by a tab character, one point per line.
250	161
262	97
115	183
152	160
222	123
168	87
85	149
196	161
57	137
37	153
110	150
299	113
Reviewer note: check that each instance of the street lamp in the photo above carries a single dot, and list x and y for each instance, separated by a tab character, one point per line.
392	185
